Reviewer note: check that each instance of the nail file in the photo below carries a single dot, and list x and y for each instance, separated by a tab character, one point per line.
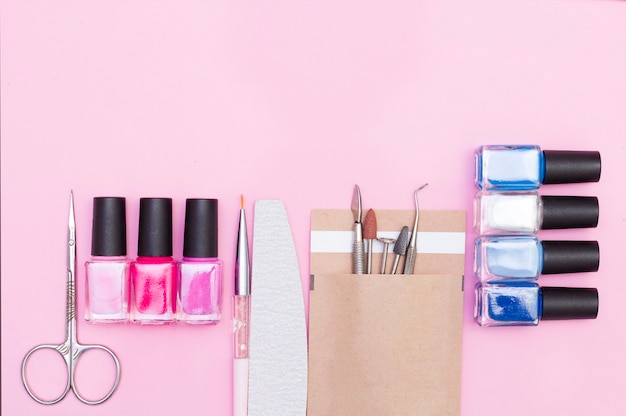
278	340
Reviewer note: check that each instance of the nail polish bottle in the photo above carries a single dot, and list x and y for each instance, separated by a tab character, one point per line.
106	273
201	271
526	257
526	212
526	303
153	274
526	167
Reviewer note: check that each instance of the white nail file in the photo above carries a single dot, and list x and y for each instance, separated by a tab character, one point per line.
278	339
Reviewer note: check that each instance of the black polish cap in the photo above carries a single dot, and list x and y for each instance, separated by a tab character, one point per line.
155	227
569	303
200	228
570	256
108	229
569	212
566	166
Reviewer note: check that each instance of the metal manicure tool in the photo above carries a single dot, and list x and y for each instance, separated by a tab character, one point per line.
400	247
369	235
411	253
70	349
358	251
386	242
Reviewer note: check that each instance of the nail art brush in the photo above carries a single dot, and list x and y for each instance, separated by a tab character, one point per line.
400	247
241	319
369	235
358	255
386	242
411	253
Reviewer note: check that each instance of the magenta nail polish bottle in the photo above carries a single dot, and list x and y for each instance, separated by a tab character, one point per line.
200	272
153	274
107	282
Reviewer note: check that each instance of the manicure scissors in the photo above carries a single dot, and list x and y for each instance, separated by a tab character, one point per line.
70	349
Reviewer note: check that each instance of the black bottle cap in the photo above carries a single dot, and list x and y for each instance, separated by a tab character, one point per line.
570	212
565	166
108	229
570	256
200	228
155	227
569	303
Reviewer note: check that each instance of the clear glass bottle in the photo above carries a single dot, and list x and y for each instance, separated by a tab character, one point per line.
526	212
514	258
201	271
526	303
153	273
526	167
526	257
106	273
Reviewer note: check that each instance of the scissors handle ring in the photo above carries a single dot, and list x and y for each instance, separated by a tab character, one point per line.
62	349
79	350
71	359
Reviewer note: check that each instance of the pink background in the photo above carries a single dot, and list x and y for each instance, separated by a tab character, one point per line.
300	100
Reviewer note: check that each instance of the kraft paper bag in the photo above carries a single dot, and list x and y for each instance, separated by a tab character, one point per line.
385	344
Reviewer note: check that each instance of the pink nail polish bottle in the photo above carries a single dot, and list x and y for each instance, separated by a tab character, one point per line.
153	274
200	274
106	279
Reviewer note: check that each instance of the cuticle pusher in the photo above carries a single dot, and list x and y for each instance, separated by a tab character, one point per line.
411	252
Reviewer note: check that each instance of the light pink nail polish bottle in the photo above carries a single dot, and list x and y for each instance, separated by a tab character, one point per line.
106	279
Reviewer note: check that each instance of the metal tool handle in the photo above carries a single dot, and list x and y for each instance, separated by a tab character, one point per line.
71	355
409	263
370	246
358	258
65	349
78	351
396	261
62	349
358	250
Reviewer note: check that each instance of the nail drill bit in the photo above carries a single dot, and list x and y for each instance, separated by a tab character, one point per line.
386	242
400	247
358	252
411	253
369	235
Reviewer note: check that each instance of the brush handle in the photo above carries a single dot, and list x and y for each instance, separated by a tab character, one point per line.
240	386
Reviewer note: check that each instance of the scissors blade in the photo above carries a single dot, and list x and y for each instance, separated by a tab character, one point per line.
71	238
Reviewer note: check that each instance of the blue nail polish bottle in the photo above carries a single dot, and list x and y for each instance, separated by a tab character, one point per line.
526	167
526	257
526	303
